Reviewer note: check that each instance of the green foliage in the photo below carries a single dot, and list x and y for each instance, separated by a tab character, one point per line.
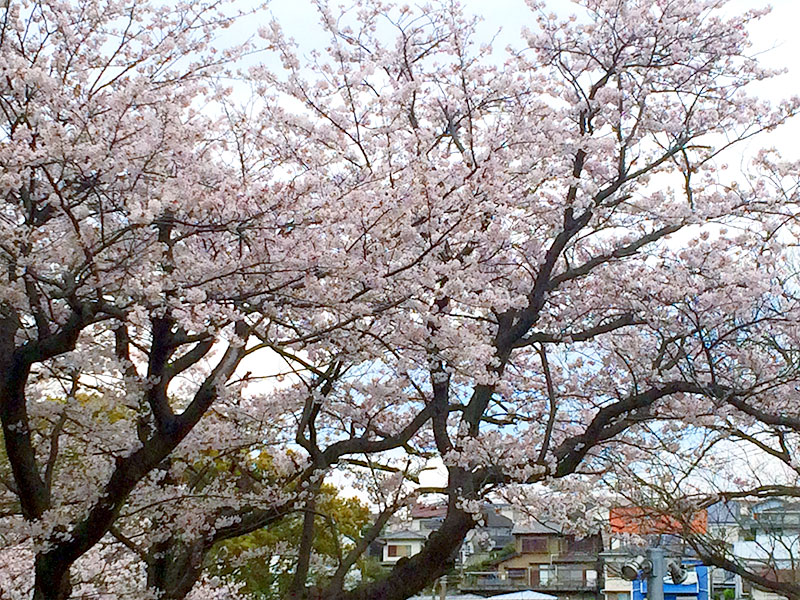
266	558
729	594
494	557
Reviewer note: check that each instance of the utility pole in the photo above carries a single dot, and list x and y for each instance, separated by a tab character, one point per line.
655	578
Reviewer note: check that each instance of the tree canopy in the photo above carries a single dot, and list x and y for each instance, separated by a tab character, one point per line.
532	268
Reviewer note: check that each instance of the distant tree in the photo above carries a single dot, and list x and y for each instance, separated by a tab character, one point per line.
265	559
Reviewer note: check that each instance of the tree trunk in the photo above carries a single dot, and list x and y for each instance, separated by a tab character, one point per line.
410	575
52	578
174	568
306	546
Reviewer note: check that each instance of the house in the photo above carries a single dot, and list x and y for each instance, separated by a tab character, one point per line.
763	536
496	527
492	534
642	521
615	587
727	521
400	544
771	553
652	529
394	545
776	516
427	517
550	561
726	526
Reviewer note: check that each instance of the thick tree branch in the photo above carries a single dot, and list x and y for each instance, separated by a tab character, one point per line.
614	418
579	336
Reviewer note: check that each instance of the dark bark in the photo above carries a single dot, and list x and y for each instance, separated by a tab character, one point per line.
52	580
615	418
336	583
174	566
14	371
178	566
69	546
51	568
253	519
411	575
306	545
304	550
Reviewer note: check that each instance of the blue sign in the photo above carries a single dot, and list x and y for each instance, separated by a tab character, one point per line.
694	588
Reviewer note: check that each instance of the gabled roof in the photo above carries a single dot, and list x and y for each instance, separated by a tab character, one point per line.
491	514
404	534
495	519
525	595
775	505
449	597
642	521
535	527
724	513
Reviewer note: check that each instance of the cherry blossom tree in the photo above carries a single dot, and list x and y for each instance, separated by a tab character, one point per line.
125	252
739	463
529	268
739	454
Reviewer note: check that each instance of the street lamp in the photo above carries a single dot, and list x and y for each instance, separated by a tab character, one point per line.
654	567
631	569
676	572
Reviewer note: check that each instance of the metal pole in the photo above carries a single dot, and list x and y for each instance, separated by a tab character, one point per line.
655	580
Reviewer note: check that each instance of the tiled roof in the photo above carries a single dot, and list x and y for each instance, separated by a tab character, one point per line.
405	534
535	527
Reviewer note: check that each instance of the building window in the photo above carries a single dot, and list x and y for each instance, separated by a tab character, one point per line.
399	550
570	575
586	545
517	574
534	545
546	575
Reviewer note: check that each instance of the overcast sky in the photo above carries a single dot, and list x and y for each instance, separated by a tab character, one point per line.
776	35
776	41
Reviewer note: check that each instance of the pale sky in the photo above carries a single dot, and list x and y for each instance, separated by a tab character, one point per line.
775	37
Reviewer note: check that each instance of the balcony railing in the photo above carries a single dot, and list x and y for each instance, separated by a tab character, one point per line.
558	583
494	580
